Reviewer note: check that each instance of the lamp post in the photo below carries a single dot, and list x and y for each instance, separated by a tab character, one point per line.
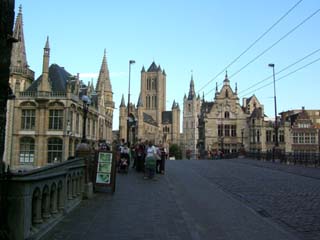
128	123
275	107
86	102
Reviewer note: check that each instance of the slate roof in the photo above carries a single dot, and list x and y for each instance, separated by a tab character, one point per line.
256	113
148	119
58	78
153	67
167	117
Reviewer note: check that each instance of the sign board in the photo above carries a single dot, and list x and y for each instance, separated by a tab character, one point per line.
105	170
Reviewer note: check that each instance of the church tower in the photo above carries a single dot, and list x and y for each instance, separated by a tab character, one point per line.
21	76
153	91
191	109
105	96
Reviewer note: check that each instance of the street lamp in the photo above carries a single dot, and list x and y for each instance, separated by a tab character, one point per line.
86	102
275	107
128	124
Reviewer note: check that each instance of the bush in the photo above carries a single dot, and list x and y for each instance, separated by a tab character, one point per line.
175	151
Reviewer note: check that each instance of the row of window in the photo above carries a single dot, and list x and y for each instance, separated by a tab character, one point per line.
151	83
305	138
28	119
227	130
27	150
151	102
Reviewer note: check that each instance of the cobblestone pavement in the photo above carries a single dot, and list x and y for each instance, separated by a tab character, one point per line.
219	200
289	195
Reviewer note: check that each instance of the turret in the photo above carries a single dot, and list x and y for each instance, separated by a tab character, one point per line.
44	82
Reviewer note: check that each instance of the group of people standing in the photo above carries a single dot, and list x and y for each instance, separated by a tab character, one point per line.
146	157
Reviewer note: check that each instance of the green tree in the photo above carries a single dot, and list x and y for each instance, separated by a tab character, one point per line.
175	151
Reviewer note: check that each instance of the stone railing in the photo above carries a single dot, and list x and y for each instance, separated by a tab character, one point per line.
22	70
42	94
38	199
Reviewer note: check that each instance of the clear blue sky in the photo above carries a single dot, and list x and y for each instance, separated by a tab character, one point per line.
202	36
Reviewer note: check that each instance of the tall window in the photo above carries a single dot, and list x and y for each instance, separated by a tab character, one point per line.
56	119
227	115
220	130
233	130
227	130
295	137
26	150
77	123
28	119
54	150
281	137
268	135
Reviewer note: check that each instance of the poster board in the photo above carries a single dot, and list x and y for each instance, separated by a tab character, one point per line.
105	170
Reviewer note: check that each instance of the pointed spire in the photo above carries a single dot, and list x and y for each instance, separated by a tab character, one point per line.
174	104
226	80
104	84
18	53
216	87
123	104
140	104
44	84
164	72
191	89
203	96
236	89
143	70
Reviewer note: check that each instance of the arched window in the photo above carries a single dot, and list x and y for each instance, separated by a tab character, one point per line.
226	115
26	150
227	94
54	150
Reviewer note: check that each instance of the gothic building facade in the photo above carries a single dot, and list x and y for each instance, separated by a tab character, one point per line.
149	119
191	110
46	117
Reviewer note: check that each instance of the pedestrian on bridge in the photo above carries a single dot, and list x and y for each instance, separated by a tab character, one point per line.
150	161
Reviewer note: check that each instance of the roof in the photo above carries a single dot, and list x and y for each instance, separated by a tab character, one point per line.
148	119
257	113
167	117
153	68
58	78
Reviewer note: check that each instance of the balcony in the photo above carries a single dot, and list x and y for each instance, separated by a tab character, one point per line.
42	95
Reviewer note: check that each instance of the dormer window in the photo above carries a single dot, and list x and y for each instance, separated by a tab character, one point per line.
227	94
226	115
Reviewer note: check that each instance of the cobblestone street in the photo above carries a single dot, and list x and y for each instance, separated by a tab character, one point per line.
207	199
289	195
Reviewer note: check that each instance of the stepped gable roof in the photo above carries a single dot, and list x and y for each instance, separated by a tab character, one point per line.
167	117
58	78
148	119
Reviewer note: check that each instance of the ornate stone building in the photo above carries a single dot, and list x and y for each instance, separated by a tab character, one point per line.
46	117
223	122
191	110
149	120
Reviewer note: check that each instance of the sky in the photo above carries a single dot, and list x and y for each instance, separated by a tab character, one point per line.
199	37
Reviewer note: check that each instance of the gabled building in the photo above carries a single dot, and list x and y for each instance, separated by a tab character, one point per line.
149	119
46	117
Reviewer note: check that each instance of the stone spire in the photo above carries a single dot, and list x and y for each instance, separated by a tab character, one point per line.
140	104
226	80
123	104
104	84
44	83
18	54
191	89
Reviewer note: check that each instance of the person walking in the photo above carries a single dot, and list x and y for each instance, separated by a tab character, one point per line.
150	161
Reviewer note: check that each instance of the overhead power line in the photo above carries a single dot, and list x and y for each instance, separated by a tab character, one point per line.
252	44
275	43
287	75
282	70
